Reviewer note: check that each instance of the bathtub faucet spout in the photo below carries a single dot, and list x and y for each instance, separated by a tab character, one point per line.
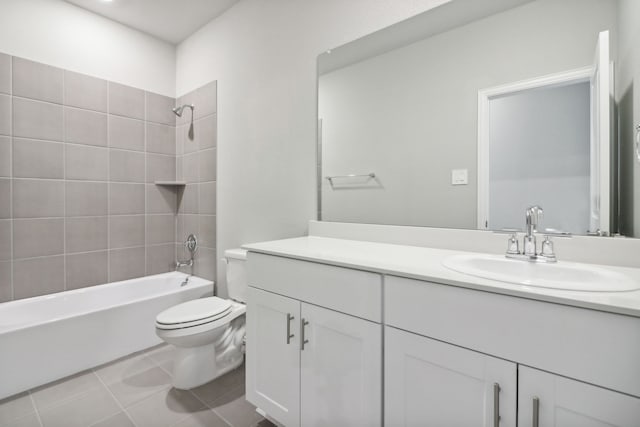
180	264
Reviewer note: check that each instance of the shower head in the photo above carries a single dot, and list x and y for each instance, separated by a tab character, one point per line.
178	110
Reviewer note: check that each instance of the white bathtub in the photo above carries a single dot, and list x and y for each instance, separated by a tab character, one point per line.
52	336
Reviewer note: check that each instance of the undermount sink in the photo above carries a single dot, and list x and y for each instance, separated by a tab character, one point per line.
560	275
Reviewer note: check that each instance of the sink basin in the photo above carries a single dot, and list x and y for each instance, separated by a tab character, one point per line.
561	275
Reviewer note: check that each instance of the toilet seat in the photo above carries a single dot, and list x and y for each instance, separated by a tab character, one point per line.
194	313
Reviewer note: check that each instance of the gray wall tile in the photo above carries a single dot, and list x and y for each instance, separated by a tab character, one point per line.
206	100
126	133
5	73
126	264
5	239
161	229
86	198
161	139
35	119
37	81
205	264
5	281
179	168
5	198
205	132
160	258
86	163
191	167
187	224
84	91
188	199
126	231
5	156
161	168
126	101
38	276
160	200
5	115
207	230
126	166
208	164
85	127
37	159
159	109
38	198
86	234
126	199
38	237
182	138
87	269
208	198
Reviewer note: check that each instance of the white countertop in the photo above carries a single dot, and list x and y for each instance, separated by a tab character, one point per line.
426	264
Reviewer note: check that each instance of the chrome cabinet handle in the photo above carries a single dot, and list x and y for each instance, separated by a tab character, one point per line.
536	412
496	404
289	334
303	341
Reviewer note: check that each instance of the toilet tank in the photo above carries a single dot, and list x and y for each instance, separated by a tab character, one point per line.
236	274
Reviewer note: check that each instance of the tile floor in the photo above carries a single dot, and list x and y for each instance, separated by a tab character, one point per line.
133	392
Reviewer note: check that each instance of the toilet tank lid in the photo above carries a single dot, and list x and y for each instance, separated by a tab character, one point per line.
240	254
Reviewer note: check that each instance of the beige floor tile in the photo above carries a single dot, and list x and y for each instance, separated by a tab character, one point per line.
163	356
217	388
30	420
136	387
203	419
14	407
124	367
165	408
64	389
118	420
234	409
86	409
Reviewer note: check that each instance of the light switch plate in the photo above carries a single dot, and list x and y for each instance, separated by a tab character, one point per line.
459	177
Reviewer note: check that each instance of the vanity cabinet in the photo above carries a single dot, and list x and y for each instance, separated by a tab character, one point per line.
547	400
309	365
431	383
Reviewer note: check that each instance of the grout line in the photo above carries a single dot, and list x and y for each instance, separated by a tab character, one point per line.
122	408
11	239
146	175
35	408
64	188
108	187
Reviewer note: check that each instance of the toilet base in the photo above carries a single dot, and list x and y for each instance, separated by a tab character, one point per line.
195	366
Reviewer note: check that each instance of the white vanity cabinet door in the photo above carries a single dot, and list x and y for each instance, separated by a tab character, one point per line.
429	383
563	402
341	370
273	364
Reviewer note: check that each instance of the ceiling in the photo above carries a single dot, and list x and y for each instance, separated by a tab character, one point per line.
168	20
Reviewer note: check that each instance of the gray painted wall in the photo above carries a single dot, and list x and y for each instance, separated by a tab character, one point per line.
410	115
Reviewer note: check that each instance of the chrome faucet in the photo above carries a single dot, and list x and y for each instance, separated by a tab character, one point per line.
533	216
529	252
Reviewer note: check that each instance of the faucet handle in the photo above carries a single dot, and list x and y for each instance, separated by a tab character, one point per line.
512	245
547	249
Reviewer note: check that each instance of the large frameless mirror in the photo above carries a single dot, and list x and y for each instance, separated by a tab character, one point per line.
467	114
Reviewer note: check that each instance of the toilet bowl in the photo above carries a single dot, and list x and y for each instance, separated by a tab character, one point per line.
208	333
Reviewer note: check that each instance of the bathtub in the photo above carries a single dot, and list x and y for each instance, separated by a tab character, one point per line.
49	337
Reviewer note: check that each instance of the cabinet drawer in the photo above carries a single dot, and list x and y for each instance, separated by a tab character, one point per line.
588	345
355	292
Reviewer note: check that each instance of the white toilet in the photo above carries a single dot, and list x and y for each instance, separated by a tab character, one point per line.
208	333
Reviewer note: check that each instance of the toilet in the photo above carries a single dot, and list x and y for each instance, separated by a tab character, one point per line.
208	333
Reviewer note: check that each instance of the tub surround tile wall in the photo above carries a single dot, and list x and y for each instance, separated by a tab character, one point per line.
197	165
76	206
